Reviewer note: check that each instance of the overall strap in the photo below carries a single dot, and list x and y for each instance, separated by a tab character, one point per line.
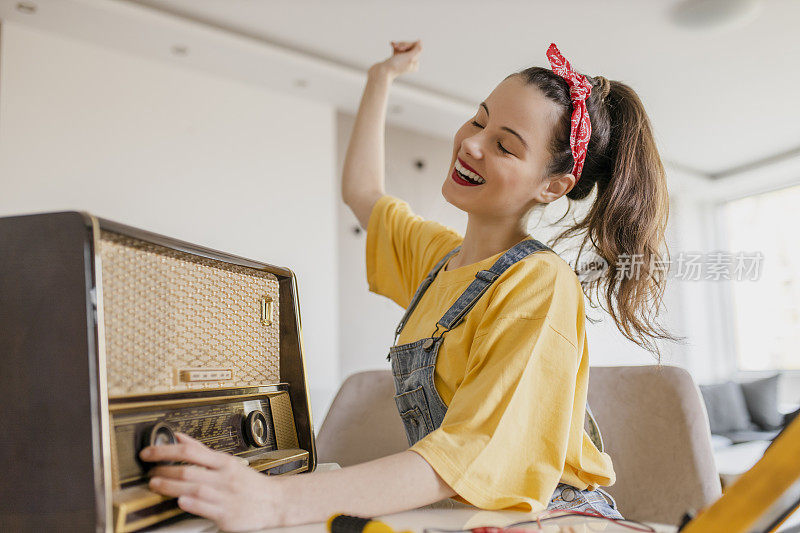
421	290
483	280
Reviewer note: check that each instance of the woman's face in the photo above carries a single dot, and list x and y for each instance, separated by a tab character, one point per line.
504	148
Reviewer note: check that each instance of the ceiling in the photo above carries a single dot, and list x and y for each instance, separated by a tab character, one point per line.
721	100
718	99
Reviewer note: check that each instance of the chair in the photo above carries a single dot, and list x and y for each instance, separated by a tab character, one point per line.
653	421
655	428
362	422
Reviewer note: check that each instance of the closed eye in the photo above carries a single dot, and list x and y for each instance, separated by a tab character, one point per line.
499	145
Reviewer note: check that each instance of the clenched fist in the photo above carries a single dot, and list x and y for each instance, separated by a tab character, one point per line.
405	58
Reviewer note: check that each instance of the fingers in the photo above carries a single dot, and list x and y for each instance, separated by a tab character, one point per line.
200	508
175	489
405	46
183	437
187	450
196	474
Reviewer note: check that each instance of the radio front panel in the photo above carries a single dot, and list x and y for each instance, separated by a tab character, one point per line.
255	425
246	425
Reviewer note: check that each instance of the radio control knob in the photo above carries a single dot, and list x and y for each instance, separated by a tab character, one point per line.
256	429
159	435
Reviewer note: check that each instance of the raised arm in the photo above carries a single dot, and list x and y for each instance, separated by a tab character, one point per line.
364	165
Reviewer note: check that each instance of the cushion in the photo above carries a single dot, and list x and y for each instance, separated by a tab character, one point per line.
761	397
737	437
726	407
788	418
720	441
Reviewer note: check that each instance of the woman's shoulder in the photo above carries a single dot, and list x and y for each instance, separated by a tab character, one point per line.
429	239
536	286
544	266
402	247
388	206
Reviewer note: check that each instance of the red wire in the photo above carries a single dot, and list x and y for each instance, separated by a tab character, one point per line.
514	528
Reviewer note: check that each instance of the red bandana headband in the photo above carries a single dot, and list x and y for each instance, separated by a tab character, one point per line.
579	90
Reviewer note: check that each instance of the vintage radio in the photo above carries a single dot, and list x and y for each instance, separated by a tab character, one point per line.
113	338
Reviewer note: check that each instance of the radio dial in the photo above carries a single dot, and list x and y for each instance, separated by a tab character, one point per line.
256	429
159	435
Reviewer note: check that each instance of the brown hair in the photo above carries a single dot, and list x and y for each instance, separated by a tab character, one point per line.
629	214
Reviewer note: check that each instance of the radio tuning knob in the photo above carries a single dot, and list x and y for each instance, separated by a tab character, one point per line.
256	429
158	435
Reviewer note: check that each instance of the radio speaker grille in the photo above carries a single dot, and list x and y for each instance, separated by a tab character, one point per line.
283	420
175	321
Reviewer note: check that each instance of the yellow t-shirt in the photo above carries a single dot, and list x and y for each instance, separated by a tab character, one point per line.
514	373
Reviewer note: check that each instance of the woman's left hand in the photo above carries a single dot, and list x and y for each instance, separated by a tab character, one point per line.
215	485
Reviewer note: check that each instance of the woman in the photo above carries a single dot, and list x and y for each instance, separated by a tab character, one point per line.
492	363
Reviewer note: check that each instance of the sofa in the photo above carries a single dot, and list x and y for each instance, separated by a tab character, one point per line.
744	417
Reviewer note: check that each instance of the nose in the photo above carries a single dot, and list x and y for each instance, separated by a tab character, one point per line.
472	146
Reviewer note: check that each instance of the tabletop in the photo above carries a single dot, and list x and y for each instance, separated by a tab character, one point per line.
440	520
447	515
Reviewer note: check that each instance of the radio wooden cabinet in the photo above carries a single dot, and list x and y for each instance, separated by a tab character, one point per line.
112	338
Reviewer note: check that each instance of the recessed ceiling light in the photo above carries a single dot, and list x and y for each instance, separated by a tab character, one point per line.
180	50
26	7
723	14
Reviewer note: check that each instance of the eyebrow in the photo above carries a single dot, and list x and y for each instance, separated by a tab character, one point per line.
509	130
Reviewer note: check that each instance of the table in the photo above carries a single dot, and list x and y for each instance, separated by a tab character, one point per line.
447	514
420	519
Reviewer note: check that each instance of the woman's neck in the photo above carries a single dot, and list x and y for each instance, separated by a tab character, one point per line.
487	237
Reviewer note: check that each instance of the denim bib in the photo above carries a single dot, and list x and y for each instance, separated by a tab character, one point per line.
419	403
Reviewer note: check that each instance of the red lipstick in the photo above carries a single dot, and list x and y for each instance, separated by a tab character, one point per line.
468	167
461	181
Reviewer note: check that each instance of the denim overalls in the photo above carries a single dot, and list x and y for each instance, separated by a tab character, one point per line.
422	409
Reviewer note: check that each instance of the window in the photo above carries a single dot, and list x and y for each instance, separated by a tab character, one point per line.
766	312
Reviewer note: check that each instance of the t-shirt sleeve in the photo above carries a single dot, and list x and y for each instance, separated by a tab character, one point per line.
506	434
402	248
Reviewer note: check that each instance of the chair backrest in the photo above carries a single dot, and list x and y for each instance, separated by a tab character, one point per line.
362	422
655	428
653	422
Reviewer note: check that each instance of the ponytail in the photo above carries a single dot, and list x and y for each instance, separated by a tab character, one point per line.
626	222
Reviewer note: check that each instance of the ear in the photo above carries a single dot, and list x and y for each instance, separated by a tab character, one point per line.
556	188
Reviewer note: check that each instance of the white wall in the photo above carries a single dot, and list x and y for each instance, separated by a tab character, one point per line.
368	320
212	161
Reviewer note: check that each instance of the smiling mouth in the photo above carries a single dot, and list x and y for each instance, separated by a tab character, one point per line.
456	176
467	174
